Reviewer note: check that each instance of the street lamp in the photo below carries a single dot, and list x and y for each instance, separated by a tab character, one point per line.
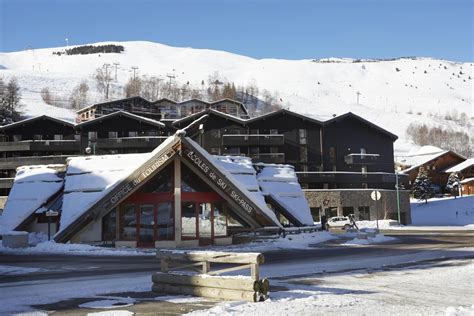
398	195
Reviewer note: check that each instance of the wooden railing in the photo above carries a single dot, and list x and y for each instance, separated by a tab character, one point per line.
210	283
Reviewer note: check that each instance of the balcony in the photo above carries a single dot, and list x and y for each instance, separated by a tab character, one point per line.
15	162
6	183
129	142
253	140
362	159
350	177
268	158
41	145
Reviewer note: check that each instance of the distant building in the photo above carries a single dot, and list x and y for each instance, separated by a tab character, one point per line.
465	171
160	109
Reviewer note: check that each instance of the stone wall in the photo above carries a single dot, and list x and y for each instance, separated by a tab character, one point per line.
385	208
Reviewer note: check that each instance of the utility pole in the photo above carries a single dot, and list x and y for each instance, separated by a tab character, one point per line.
358	94
134	69
107	79
171	77
116	66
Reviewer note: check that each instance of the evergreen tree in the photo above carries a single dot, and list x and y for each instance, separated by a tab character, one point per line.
422	186
453	184
12	95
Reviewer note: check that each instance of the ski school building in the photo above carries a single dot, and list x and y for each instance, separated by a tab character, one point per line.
177	195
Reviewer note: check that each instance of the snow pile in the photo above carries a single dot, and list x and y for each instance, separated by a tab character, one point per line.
32	187
379	238
443	212
50	247
383	224
281	182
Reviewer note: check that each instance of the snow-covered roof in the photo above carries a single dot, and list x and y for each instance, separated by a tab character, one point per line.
32	187
420	157
36	118
122	113
460	167
281	182
88	179
467	180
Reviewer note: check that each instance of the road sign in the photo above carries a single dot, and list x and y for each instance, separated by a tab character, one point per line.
375	195
51	213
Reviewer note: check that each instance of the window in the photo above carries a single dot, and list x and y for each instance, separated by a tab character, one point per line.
254	150
128	227
16	138
303	137
332	154
254	131
113	134
303	154
215	151
92	135
273	131
233	150
216	133
58	137
132	134
364	213
109	223
165	221
315	213
37	137
188	220
220	221
346	210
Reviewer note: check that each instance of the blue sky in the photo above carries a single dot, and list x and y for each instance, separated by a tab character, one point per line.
261	29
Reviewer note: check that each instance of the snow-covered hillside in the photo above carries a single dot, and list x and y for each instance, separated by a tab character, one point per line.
391	93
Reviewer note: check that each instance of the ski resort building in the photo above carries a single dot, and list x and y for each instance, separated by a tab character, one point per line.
177	195
338	162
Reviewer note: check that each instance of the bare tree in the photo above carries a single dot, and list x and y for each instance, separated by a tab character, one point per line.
133	87
103	80
79	96
46	96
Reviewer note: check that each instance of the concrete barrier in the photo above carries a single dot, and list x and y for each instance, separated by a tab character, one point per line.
15	239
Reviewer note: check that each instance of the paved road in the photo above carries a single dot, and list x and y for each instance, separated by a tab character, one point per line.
408	245
77	275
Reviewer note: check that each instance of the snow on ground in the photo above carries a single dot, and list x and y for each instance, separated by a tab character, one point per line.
12	270
17	296
425	290
50	247
379	238
443	212
392	93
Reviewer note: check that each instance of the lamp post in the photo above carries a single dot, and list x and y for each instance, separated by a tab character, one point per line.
398	196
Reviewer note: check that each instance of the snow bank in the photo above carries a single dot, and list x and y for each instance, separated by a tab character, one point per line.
50	247
443	212
32	187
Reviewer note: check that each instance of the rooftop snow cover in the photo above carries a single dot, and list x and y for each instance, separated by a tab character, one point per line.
88	179
460	167
281	182
420	157
32	187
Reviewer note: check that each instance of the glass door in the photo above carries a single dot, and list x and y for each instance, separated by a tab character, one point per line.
165	221
146	236
206	219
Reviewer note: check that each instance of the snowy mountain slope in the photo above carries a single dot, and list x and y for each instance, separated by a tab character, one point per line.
392	93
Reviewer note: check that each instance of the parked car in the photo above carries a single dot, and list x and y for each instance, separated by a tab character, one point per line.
339	222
